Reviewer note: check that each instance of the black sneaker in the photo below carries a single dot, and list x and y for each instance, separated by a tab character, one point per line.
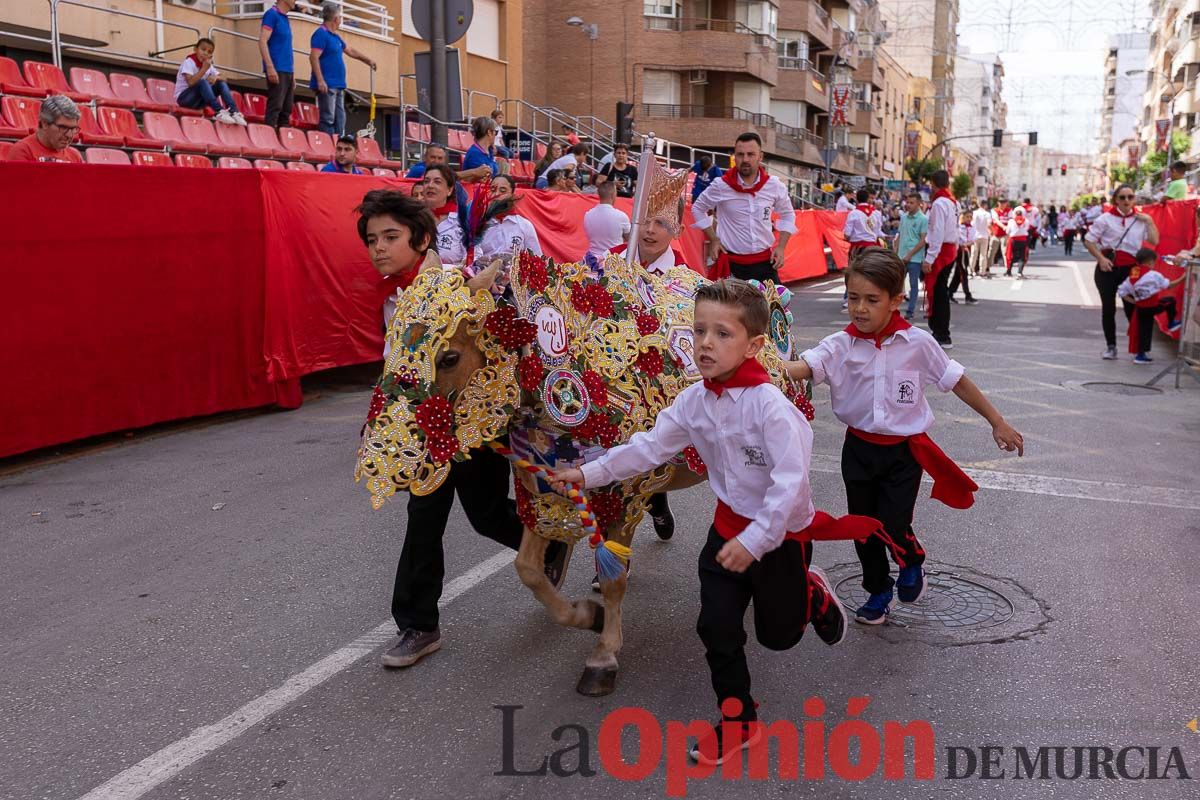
712	750
971	301
412	647
826	614
556	562
954	300
664	524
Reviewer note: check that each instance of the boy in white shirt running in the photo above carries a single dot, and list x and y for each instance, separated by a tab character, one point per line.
877	370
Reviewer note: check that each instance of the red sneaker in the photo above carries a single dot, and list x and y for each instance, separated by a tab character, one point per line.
712	749
825	611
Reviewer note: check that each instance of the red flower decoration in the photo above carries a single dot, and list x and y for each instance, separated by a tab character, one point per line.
596	388
525	509
607	507
600	300
533	273
441	446
435	416
694	461
580	298
512	331
530	373
607	431
650	363
647	324
805	406
378	401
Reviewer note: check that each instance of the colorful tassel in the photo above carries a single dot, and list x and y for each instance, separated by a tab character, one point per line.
574	494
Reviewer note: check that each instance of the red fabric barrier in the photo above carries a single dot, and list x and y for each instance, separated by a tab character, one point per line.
1176	221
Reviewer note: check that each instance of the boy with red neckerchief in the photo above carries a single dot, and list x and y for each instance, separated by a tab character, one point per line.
757	447
864	224
877	370
941	251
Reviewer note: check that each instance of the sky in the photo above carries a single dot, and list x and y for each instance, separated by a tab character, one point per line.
1053	57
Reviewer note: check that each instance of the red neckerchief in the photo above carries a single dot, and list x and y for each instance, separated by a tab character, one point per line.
195	60
735	183
941	193
750	373
896	323
1027	206
389	284
451	207
866	208
1116	212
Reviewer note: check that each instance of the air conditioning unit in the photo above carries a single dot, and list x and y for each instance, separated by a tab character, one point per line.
698	76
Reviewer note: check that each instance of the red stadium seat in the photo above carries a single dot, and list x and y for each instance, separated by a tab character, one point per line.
90	131
236	136
51	78
95	83
192	160
120	122
4	148
459	140
157	158
293	139
20	116
233	162
163	92
104	155
539	151
369	155
268	164
131	88
320	144
305	116
256	107
200	132
13	82
300	166
383	173
419	133
263	137
164	130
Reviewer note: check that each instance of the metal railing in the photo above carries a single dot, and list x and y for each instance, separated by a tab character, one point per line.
57	46
674	111
216	29
682	24
795	63
358	16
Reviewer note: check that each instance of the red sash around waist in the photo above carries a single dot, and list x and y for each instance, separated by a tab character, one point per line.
951	485
823	528
722	269
945	258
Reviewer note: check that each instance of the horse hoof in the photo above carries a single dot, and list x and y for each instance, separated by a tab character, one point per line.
597	681
597	625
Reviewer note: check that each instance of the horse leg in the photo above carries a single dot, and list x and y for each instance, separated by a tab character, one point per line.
586	614
600	670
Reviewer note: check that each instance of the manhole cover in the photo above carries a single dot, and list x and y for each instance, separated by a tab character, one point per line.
962	606
1112	387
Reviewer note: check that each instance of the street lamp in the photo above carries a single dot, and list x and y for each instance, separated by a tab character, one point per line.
1170	111
592	31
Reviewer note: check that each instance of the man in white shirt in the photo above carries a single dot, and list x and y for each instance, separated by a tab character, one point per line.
574	159
606	225
981	221
744	199
198	85
942	244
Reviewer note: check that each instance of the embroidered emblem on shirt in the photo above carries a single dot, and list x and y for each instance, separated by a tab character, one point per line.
754	457
906	393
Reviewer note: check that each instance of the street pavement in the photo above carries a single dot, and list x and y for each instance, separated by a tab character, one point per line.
198	611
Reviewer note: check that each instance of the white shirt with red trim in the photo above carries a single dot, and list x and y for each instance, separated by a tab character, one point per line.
1109	229
1018	228
943	227
860	227
757	447
882	390
745	218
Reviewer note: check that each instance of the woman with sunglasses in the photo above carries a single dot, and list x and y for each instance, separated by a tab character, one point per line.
1113	240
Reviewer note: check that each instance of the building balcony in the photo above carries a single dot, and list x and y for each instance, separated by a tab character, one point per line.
1188	54
868	120
799	79
800	144
810	17
358	16
705	125
723	45
869	69
845	46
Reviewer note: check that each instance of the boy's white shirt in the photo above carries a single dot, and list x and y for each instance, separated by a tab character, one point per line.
1150	284
756	445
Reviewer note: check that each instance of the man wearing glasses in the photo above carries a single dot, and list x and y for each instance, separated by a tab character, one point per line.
58	124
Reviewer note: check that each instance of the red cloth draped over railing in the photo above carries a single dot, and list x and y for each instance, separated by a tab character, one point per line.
1176	221
137	295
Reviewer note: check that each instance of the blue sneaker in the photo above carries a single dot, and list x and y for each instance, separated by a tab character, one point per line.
875	610
1175	326
1142	358
911	584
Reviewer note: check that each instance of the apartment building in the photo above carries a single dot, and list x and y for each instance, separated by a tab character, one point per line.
926	44
978	110
1171	70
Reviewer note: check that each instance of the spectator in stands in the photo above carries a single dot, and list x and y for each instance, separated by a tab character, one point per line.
706	172
479	162
58	124
434	154
345	157
606	225
501	149
502	230
327	51
569	135
275	46
575	157
440	197
566	180
198	85
620	171
553	153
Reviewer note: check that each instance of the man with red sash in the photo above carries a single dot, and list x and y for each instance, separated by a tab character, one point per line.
864	224
757	448
941	252
745	200
877	370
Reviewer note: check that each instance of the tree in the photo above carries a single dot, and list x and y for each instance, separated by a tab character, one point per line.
961	186
919	169
1123	173
1154	164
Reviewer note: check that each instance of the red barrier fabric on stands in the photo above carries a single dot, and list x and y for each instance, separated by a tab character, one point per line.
1176	221
132	295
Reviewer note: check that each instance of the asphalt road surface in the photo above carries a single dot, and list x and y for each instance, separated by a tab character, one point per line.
198	611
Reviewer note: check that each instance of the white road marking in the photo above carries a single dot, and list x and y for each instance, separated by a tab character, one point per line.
1016	285
1084	297
178	756
1060	487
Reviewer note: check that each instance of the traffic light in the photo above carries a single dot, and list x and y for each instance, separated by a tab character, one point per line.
624	132
1033	138
1049	171
997	137
1063	169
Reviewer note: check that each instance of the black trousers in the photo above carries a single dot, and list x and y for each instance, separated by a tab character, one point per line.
1145	321
962	271
1020	252
882	481
778	586
481	484
1068	242
760	271
939	319
1107	283
280	98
